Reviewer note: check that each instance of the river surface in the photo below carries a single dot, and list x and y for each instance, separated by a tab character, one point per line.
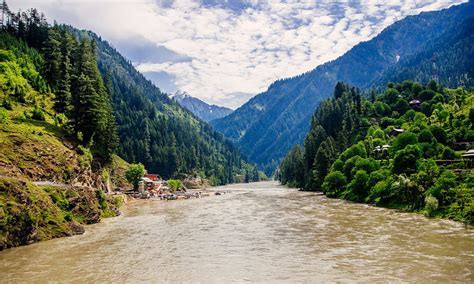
259	232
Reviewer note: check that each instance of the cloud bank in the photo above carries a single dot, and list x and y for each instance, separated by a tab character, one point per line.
225	51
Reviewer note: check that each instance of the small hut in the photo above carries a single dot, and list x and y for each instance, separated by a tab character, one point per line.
469	154
396	132
415	104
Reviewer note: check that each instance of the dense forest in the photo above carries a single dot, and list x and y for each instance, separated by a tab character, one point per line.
68	69
415	48
401	148
110	107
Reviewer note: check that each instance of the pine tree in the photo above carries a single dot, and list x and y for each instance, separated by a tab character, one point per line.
52	56
63	99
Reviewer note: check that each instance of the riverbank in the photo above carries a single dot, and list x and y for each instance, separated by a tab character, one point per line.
32	213
406	208
39	211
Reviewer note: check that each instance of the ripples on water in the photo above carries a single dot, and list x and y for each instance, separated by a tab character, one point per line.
260	232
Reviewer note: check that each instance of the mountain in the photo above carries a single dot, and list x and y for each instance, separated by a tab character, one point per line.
157	132
199	108
100	94
269	124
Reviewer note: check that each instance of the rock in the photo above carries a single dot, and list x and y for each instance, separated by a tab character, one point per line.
76	228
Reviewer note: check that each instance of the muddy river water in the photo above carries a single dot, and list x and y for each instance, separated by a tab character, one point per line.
259	232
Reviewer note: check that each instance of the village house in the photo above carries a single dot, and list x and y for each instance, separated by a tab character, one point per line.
415	104
396	132
150	182
469	154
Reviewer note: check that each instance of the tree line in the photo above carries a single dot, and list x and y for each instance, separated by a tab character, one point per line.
399	148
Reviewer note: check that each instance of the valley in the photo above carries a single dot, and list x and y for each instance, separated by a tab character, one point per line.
359	169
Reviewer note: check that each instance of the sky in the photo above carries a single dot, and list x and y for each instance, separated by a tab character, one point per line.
226	51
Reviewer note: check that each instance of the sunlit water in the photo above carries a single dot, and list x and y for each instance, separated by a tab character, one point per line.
259	232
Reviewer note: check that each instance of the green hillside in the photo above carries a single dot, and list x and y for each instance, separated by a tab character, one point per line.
49	183
401	148
157	132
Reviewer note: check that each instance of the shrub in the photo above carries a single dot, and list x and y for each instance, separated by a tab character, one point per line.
404	140
448	154
382	109
334	183
426	95
387	121
390	96
442	189
431	205
409	115
134	173
37	114
440	134
377	176
378	134
426	108
3	116
359	185
471	115
355	150
338	165
175	184
462	207
425	136
405	160
349	165
401	106
382	192
7	103
369	165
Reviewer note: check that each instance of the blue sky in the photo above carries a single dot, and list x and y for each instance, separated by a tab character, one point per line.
225	52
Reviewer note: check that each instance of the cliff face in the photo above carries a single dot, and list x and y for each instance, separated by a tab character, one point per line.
32	213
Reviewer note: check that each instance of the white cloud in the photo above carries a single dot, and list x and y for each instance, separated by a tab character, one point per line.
235	51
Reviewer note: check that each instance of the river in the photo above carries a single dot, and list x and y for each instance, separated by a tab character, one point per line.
259	232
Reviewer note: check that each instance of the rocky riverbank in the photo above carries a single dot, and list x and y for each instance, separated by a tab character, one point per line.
31	213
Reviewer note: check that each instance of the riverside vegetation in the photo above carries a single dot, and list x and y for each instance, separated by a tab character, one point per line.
353	149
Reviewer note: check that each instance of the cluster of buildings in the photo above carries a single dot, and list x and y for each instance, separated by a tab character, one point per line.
151	182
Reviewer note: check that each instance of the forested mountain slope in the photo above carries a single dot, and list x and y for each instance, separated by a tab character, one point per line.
51	181
157	131
102	94
268	125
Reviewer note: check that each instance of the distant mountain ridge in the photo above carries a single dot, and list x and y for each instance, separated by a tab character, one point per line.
200	108
269	124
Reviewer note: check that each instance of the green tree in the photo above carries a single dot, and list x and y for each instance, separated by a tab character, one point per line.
405	160
334	183
175	184
134	173
52	54
63	97
359	185
404	140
